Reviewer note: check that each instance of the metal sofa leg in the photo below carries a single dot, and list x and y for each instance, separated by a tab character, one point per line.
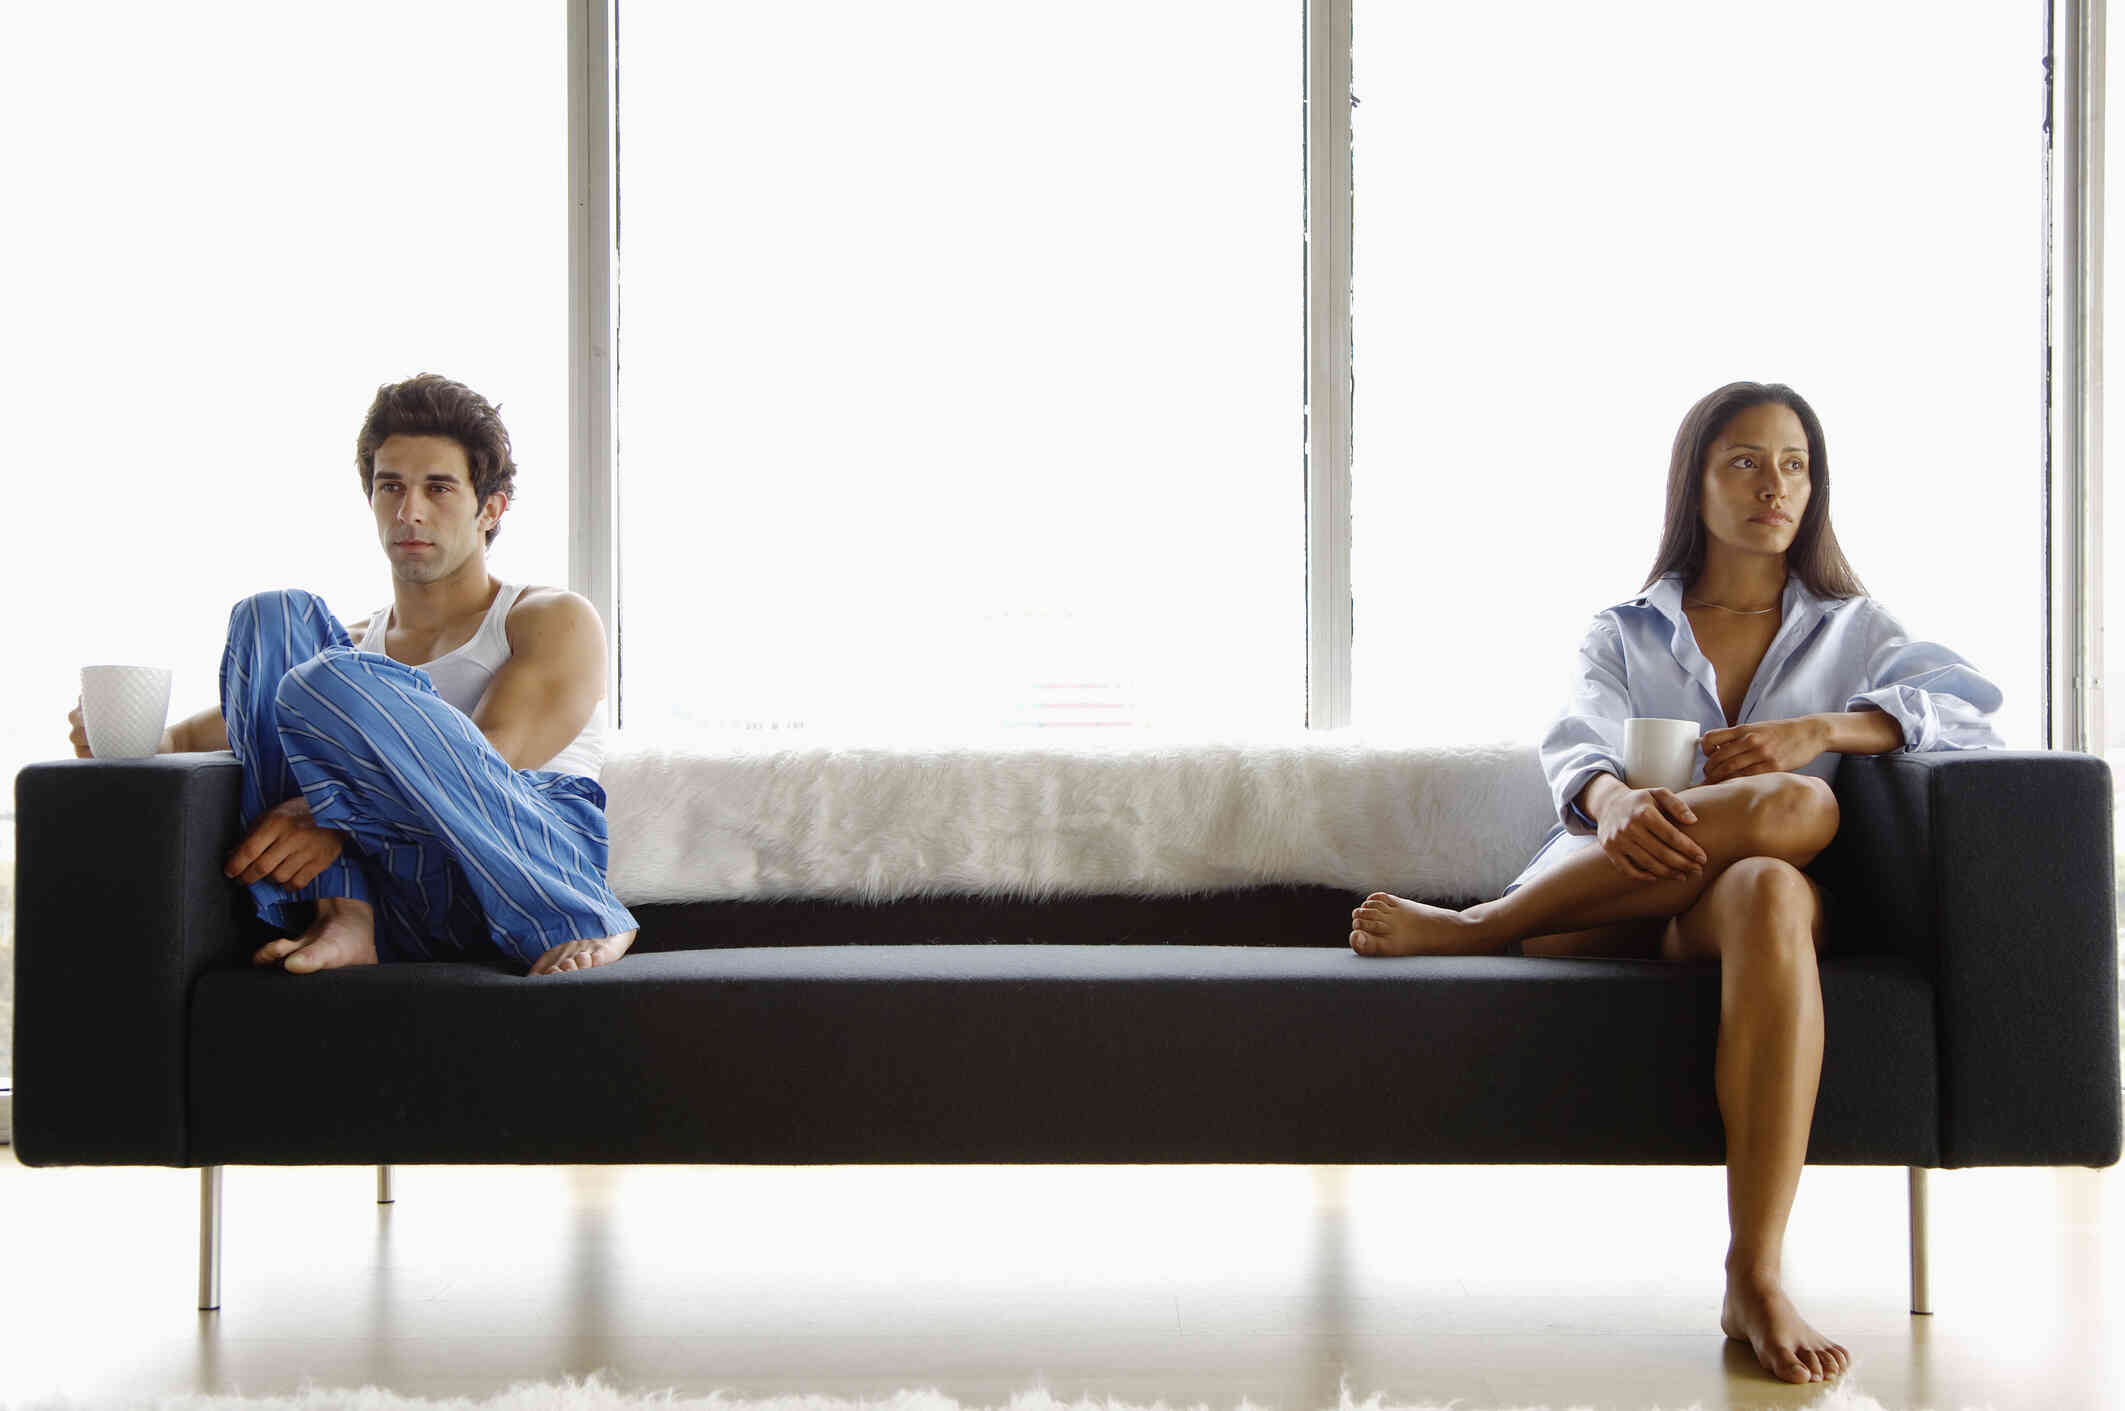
209	1238
1921	1292
383	1185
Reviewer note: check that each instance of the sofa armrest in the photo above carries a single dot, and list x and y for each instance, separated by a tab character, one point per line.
120	904
1992	870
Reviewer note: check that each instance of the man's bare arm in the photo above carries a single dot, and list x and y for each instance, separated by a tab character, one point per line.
204	731
193	734
543	696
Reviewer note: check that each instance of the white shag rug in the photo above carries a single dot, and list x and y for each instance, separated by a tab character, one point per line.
591	1394
718	816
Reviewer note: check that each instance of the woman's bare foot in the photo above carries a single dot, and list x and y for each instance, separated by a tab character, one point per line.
344	933
581	955
1388	925
1758	1313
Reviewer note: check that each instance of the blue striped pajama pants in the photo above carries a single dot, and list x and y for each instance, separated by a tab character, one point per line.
462	856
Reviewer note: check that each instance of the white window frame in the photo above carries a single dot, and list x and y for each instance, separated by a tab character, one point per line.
594	323
1330	387
2072	226
2073	368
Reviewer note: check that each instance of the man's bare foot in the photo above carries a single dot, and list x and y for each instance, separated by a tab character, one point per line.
344	933
1388	925
1758	1313
581	955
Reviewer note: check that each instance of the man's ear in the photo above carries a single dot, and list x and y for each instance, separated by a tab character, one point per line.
497	504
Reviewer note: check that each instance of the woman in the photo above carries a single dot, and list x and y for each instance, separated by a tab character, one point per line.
1753	625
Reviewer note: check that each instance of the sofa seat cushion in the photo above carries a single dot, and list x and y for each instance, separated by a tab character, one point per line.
865	1053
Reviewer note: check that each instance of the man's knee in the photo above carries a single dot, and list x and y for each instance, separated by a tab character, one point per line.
323	678
1790	818
277	605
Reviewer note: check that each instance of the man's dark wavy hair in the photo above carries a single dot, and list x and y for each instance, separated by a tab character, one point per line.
433	405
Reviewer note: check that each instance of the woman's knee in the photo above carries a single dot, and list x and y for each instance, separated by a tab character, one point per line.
1760	903
1790	818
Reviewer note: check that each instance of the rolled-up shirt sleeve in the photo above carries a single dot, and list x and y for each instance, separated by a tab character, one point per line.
1941	701
1588	737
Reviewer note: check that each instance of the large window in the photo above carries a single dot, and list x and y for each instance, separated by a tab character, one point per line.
961	364
1575	220
962	344
228	225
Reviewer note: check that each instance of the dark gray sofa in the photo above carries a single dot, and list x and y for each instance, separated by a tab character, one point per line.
1969	989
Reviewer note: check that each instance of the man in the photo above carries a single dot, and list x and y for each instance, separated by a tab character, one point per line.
428	776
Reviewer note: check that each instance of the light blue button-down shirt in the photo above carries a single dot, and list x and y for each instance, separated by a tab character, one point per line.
1640	658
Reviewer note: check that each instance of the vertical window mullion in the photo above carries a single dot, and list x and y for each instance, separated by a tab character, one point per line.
1328	362
2074	416
593	321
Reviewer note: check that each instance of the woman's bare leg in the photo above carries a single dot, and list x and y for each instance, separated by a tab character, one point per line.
1763	921
1787	816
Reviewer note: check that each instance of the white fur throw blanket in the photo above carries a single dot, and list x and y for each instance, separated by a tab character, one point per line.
719	816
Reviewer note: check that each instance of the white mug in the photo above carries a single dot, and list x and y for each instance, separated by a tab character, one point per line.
123	708
1658	753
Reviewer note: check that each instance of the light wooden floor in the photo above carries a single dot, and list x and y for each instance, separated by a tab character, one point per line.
1566	1286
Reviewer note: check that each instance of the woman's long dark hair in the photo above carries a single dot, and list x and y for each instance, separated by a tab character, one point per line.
1813	555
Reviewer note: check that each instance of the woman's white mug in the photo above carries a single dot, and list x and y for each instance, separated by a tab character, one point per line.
122	709
1659	754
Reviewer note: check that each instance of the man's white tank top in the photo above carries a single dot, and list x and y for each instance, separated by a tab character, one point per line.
461	678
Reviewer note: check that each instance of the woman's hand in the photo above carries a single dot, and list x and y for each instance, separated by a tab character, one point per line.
1638	832
1764	747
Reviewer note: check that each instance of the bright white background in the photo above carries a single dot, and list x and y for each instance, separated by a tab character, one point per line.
962	352
1575	220
233	222
961	364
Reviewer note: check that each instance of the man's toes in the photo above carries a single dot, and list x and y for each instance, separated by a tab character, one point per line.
271	952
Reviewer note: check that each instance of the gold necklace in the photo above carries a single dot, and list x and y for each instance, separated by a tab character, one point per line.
1744	612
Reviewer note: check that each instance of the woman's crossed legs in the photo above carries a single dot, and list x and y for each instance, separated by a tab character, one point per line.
1751	908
